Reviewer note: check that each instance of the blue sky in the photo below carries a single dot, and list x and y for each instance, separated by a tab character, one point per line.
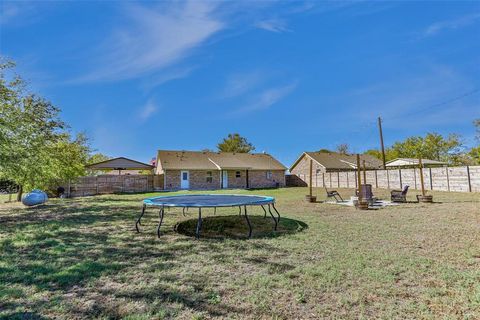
289	76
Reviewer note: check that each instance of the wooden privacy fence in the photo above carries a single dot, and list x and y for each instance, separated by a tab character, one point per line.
105	184
461	179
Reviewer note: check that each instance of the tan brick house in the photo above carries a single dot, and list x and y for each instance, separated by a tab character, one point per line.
199	170
323	162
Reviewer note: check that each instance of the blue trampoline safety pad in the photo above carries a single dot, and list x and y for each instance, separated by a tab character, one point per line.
209	200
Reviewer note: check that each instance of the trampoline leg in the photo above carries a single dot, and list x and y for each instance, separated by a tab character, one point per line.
139	218
160	215
240	211
199	223
273	217
214	210
278	214
183	211
265	215
248	221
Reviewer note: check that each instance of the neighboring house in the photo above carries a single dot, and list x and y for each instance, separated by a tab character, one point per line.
120	166
323	162
410	163
215	170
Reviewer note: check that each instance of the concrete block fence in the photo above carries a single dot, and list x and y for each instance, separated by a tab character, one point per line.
459	179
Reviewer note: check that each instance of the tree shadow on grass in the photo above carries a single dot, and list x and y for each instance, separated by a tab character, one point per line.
60	247
236	227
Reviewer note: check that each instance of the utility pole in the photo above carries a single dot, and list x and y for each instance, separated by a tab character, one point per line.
381	142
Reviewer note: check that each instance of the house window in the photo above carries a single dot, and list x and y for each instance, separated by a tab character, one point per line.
237	174
269	175
319	171
209	177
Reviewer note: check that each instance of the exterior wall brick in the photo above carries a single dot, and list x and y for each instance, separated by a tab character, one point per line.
258	179
234	182
198	179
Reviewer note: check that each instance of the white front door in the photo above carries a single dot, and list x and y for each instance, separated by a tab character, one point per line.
184	179
225	180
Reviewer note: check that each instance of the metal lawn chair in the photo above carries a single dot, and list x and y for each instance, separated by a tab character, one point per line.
333	194
399	195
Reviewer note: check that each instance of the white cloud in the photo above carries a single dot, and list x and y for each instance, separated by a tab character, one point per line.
151	39
166	76
241	83
273	25
148	110
11	10
460	22
268	98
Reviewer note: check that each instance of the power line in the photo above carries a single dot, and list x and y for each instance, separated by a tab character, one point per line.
439	104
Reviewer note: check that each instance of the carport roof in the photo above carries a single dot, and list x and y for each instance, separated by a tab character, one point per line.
120	163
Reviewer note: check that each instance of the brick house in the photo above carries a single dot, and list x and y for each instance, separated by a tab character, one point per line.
324	162
199	170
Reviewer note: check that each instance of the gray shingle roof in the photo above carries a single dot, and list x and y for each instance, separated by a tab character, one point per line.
337	161
200	160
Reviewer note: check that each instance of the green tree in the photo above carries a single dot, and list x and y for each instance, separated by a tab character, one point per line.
324	151
433	146
474	155
474	152
390	154
97	157
36	149
235	143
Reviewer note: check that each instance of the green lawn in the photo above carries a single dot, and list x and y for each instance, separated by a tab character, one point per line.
5	197
81	258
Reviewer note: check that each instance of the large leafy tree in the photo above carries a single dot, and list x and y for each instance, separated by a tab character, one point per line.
235	143
432	146
474	153
36	148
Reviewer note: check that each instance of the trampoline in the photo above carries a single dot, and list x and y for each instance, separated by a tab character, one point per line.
210	201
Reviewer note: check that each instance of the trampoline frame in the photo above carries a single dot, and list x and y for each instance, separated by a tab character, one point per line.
268	201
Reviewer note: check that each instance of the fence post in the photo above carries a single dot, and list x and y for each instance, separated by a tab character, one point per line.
338	178
431	180
415	177
376	179
96	185
330	179
448	179
323	179
469	182
388	179
400	177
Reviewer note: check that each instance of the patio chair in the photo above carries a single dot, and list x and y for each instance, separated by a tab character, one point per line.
399	195
333	194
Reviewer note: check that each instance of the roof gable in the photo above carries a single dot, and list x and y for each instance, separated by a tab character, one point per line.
337	161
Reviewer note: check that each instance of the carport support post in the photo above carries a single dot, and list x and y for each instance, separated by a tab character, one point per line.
359	178
364	173
310	179
421	175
